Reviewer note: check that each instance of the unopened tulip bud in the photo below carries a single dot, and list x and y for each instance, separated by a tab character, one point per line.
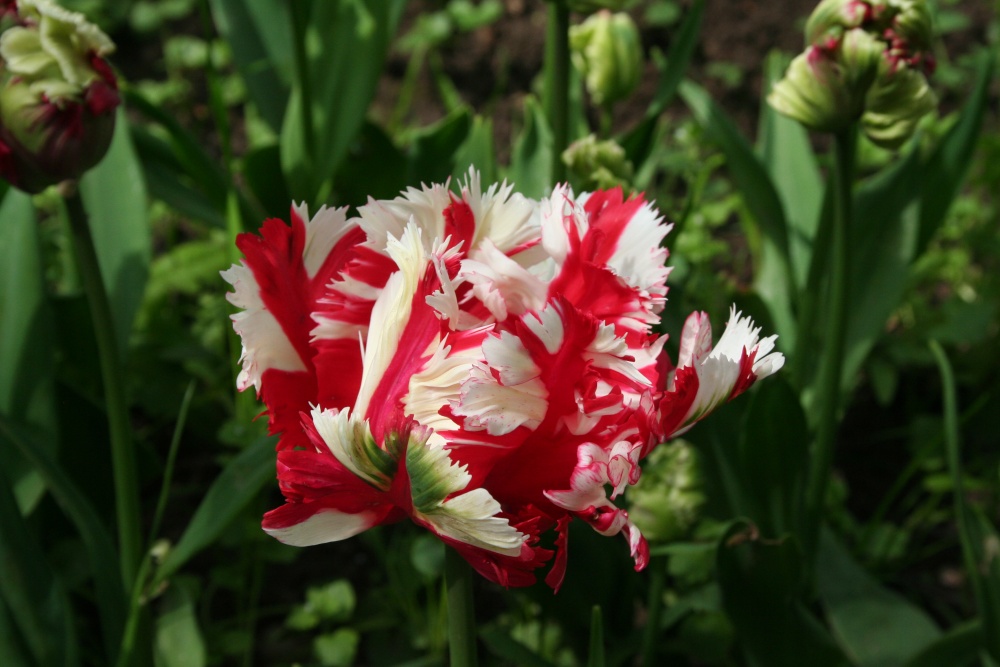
668	498
607	51
895	105
57	95
600	165
865	61
825	88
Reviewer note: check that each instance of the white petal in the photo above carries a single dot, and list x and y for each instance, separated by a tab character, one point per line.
325	526
471	518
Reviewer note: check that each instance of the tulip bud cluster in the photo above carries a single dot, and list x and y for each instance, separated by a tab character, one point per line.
57	94
867	61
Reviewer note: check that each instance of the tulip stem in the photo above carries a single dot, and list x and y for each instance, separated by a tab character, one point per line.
557	84
461	611
116	406
828	391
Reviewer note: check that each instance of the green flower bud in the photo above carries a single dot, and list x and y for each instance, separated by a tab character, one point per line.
57	95
895	105
825	89
668	498
865	61
607	51
599	164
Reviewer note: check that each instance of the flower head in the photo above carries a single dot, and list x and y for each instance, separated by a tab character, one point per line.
867	61
57	94
479	363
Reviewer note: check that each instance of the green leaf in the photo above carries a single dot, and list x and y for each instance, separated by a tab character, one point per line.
239	482
375	167
950	161
761	583
595	656
433	148
259	33
501	644
957	648
638	142
477	152
262	171
337	648
114	195
773	451
531	161
761	198
875	626
100	548
884	243
12	648
26	344
37	602
789	159
179	641
348	43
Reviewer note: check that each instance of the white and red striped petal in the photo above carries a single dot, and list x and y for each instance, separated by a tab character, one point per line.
708	377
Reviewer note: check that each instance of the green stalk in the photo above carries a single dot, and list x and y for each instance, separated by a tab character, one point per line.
300	19
832	356
461	612
654	607
116	406
557	84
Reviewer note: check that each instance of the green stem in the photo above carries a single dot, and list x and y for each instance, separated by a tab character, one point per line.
300	19
461	612
557	84
654	606
832	358
116	406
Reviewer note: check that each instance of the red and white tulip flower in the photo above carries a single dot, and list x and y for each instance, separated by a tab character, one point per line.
481	363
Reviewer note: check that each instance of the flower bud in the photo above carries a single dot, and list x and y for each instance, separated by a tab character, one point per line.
607	51
668	498
57	95
600	165
824	89
865	61
895	105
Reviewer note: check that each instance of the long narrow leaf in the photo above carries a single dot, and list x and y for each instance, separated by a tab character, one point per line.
36	599
979	538
97	542
115	197
241	480
875	625
950	161
531	161
638	142
26	345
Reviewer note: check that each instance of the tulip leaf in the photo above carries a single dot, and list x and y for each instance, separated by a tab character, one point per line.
375	167
884	243
351	41
756	574
875	626
762	201
97	542
259	33
37	602
179	642
950	161
114	195
500	643
477	152
26	343
956	648
432	148
531	161
241	480
638	142
773	450
788	156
